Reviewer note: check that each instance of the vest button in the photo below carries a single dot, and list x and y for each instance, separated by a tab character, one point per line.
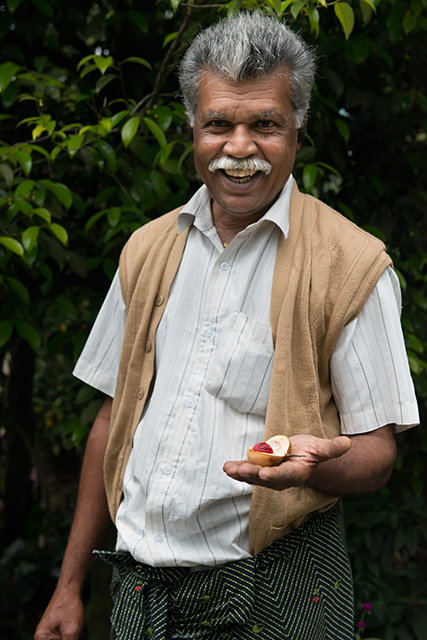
148	346
141	394
159	300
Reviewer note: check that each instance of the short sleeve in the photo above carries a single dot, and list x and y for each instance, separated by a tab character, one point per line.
99	361
371	380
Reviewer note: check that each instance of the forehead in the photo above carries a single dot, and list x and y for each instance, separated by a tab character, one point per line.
269	94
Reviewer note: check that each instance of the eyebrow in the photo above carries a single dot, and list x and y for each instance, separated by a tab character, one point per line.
215	115
262	115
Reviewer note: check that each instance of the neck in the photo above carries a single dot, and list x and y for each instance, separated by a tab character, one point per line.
228	226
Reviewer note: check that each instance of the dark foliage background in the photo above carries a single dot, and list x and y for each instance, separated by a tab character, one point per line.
92	145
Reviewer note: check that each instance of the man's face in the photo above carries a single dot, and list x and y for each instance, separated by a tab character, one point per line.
251	119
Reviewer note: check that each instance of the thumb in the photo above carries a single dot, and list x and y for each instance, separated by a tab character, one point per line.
337	446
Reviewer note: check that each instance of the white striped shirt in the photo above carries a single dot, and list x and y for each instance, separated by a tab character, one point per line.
214	355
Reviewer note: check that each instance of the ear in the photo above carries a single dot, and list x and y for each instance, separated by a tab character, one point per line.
302	130
190	132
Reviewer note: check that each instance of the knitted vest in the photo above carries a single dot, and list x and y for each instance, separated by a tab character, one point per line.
325	271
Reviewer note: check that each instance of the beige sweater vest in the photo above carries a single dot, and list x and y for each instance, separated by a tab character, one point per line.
324	273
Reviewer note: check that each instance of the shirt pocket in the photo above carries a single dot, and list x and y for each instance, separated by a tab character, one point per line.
240	373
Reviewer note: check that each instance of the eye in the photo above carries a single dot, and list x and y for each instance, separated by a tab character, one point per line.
217	123
265	124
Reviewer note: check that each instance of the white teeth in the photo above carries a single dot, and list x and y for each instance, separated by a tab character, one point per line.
236	173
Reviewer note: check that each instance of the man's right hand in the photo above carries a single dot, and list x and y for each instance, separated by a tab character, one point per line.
62	620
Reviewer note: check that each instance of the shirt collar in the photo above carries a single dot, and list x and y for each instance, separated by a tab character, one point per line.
197	211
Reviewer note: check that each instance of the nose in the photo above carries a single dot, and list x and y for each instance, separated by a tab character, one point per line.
240	143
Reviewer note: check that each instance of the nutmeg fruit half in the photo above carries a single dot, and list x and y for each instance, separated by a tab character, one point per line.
270	453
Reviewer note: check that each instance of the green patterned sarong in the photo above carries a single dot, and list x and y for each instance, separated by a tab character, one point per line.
299	588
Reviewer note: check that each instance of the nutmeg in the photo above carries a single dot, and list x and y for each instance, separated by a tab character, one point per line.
270	453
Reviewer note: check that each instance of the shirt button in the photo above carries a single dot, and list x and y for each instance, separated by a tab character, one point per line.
159	538
159	300
209	333
168	469
141	394
224	266
190	402
148	346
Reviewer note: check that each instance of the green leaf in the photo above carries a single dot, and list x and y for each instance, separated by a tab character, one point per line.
345	15
118	117
296	8
94	218
328	166
156	131
24	188
61	191
102	82
7	174
309	176
175	4
343	129
88	69
276	4
409	22
84	60
20	289
159	184
370	228
129	130
75	142
139	20
103	63
138	60
370	4
43	152
8	70
25	161
37	131
44	6
169	37
29	334
13	4
164	118
59	231
12	245
6	328
314	18
366	12
43	213
113	215
108	153
29	238
305	154
24	206
106	123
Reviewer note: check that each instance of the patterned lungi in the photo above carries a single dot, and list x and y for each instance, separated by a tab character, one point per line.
299	588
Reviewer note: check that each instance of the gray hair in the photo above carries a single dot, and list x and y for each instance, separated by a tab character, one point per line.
248	45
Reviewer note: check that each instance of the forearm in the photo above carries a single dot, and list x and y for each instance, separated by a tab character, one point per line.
365	467
338	466
91	520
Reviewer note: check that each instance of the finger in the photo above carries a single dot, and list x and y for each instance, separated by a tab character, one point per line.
241	470
284	475
336	447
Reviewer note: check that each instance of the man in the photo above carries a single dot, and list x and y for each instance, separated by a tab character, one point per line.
252	311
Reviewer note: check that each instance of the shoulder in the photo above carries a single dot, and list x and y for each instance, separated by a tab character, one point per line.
162	226
151	239
330	227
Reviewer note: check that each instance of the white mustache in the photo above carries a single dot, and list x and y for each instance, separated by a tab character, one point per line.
240	164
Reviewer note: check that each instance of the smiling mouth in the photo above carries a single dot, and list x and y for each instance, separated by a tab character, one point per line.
239	175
